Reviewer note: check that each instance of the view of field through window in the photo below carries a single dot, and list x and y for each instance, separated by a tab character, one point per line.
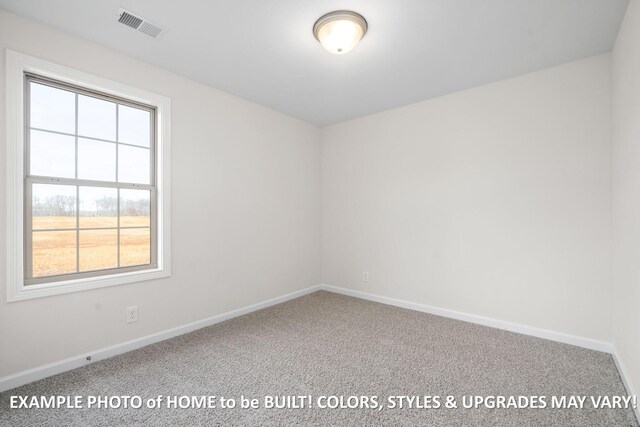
56	227
90	176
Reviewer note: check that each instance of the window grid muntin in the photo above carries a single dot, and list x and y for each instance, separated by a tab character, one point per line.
30	180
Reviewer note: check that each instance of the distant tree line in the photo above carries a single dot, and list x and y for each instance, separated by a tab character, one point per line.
60	205
57	205
138	207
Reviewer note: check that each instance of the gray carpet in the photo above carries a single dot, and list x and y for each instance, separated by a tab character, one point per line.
327	344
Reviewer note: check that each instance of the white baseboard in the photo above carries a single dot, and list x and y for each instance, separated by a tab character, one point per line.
626	379
25	377
481	320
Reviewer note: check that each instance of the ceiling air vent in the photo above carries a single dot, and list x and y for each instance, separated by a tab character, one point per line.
140	24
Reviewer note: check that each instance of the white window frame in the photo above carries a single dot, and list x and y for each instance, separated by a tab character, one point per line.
17	64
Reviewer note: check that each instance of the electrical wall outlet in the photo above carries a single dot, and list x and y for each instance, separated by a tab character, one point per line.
365	276
132	314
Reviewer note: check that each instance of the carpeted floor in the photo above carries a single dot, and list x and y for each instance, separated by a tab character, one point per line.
325	344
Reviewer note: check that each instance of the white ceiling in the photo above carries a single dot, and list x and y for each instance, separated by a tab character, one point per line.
264	50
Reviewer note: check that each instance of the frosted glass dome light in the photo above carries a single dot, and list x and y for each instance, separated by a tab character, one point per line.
340	31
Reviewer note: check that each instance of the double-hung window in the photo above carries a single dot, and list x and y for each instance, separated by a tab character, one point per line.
90	188
92	207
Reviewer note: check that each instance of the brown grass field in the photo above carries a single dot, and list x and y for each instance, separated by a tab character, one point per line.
54	252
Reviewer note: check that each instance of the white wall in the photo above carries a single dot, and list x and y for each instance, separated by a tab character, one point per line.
246	202
626	193
494	201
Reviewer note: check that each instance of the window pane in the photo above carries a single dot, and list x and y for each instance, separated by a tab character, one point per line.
54	252
133	164
52	154
96	118
53	206
96	160
52	108
135	246
98	249
98	207
135	208
134	126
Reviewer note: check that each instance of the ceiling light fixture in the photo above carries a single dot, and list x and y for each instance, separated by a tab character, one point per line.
340	31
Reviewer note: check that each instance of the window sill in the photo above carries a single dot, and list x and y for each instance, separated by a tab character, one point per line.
68	286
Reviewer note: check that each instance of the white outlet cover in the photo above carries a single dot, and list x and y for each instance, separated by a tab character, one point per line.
131	314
